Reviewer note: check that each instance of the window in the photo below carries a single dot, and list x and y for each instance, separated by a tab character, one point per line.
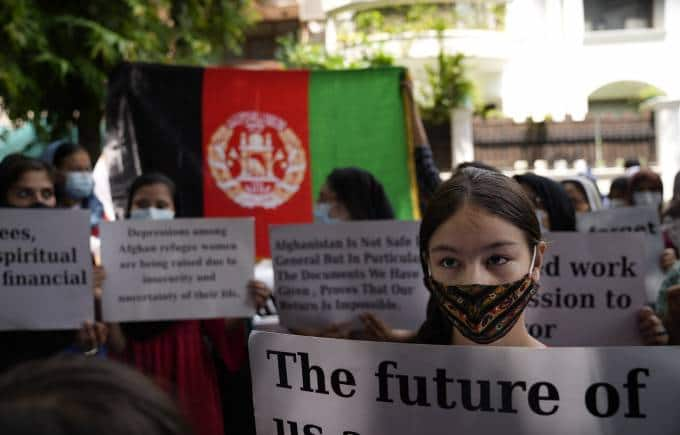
618	14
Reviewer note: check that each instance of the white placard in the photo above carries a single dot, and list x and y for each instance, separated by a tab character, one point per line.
331	273
591	290
46	269
177	269
314	386
643	220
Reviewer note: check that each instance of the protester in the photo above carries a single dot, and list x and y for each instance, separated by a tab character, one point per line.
75	183
583	194
552	205
81	396
618	191
29	183
645	189
173	352
481	252
349	194
352	194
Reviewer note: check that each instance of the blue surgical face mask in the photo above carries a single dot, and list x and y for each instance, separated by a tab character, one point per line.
79	184
152	214
322	213
651	199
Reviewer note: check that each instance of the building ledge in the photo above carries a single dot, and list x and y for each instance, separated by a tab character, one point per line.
623	35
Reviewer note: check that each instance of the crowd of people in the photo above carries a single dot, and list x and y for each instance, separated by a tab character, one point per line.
481	246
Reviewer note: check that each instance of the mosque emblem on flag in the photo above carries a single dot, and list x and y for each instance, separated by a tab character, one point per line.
257	160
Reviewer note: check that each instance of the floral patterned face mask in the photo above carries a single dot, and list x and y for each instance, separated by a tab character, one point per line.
484	313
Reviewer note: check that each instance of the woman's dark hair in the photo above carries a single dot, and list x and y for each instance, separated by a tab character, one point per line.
64	151
554	200
619	184
76	395
13	167
643	176
147	180
476	164
361	193
490	191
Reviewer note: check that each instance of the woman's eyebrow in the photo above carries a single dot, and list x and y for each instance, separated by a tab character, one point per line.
443	248
489	247
499	244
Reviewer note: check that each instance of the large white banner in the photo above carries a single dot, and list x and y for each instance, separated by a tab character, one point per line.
642	220
315	386
592	287
46	269
328	274
177	269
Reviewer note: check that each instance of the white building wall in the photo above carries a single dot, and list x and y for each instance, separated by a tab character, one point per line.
557	64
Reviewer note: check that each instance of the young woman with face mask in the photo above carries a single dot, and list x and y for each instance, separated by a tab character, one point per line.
75	183
553	207
618	192
175	353
481	252
352	194
172	352
29	183
646	190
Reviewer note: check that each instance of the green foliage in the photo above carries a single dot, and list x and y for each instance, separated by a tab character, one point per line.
423	16
448	87
56	55
294	54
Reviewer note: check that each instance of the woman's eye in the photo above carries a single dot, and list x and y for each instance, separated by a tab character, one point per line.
497	260
47	193
448	263
24	193
161	205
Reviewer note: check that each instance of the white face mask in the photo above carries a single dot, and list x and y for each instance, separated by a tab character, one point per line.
322	213
617	203
542	216
79	184
652	199
152	213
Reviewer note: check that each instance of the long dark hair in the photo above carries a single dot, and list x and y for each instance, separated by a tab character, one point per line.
75	395
362	194
147	180
490	191
554	199
13	167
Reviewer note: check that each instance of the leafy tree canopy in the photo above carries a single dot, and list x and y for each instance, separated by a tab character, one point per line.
56	55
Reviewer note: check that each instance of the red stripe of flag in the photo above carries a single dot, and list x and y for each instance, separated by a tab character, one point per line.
256	148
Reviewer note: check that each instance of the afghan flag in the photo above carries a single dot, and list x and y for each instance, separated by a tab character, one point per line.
257	143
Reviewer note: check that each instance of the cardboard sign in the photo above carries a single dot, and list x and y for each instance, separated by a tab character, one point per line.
46	269
642	220
331	273
591	289
177	269
316	386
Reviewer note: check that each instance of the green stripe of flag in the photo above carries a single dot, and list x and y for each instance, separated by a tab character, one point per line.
356	118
